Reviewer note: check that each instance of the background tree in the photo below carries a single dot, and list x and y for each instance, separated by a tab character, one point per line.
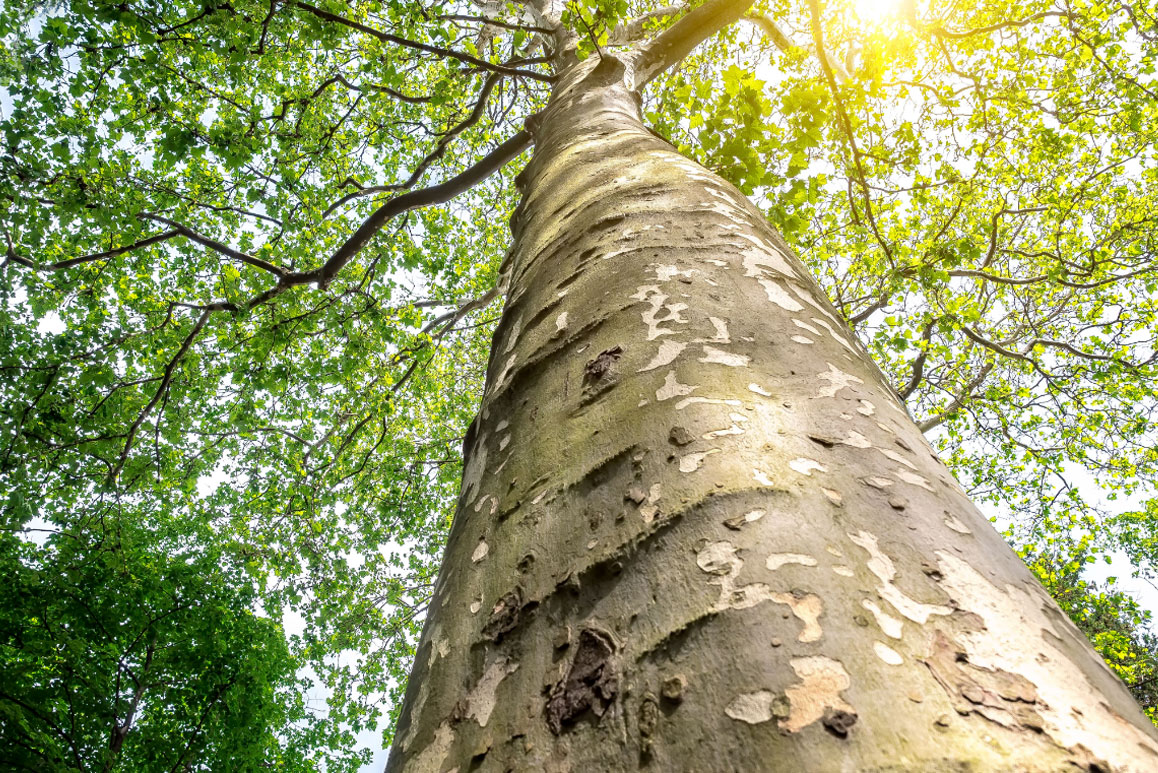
228	294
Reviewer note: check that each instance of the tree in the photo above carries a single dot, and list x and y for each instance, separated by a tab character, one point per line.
199	321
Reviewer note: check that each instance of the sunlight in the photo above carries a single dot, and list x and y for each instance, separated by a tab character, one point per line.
876	11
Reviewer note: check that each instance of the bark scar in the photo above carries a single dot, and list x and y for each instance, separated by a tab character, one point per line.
591	682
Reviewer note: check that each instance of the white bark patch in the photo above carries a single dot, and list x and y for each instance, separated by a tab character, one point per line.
760	257
882	566
856	440
501	381
805	326
754	515
835	551
649	511
651	295
693	462
806	466
886	429
504	442
890	626
481	700
751	707
953	523
513	337
442	647
878	482
837	380
1019	637
866	408
891	454
840	339
667	273
720	357
759	390
430	759
887	653
539	497
833	496
732	430
822	680
761	477
668	351
482	501
673	388
776	294
480	552
910	477
709	400
842	570
777	560
808	609
475	606
721	327
561	322
802	340
719	558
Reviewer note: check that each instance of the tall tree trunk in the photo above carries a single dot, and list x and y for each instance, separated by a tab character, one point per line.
697	529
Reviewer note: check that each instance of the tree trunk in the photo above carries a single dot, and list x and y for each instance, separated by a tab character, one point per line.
698	531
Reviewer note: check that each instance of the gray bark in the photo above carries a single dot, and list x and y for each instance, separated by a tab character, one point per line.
698	531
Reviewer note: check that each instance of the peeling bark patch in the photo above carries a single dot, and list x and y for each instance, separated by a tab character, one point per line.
777	560
481	701
480	552
806	466
833	496
740	521
693	462
720	357
759	390
882	566
843	571
1018	638
837	380
887	653
822	680
591	682
720	558
668	351
752	707
889	625
430	759
953	523
673	388
651	295
808	608
1000	696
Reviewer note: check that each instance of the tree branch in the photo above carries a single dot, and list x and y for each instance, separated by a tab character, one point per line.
166	379
386	37
673	44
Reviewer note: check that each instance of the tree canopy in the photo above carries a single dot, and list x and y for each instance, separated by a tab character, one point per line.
251	267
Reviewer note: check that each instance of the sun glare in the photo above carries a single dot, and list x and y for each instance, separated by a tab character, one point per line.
876	11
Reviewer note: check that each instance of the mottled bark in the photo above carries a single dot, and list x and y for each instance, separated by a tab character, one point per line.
698	530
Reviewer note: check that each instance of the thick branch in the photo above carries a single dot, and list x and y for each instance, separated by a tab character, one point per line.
673	44
439	149
217	246
386	37
63	264
435	194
